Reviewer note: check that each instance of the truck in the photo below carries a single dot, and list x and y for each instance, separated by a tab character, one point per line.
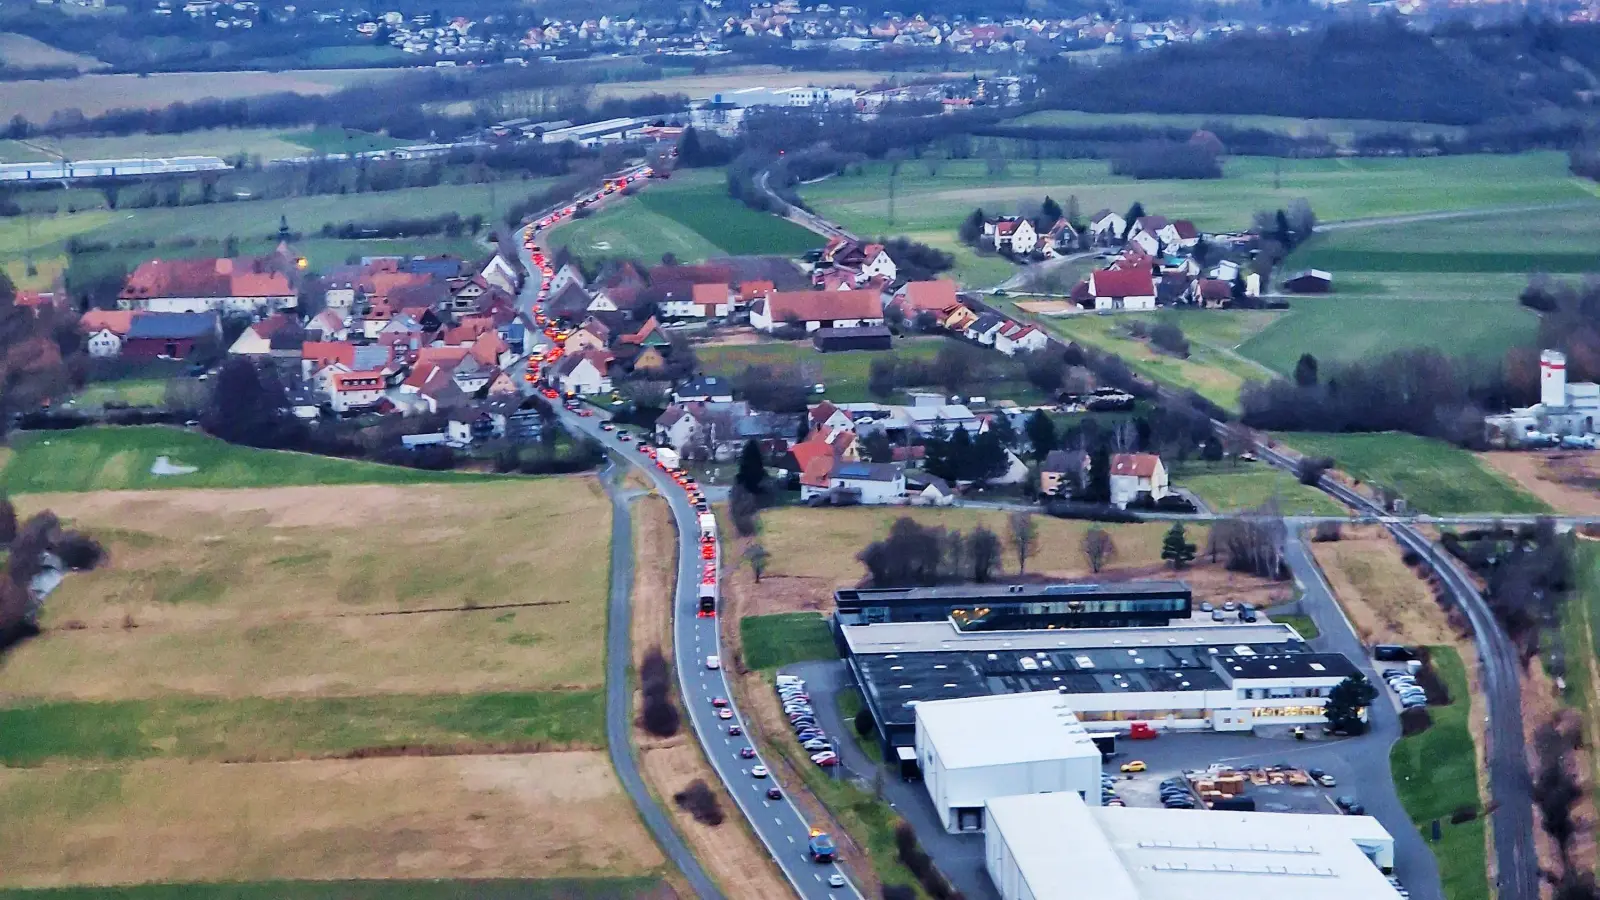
708	527
821	847
708	599
667	457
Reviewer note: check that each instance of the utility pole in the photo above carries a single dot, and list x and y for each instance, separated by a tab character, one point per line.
894	170
1277	173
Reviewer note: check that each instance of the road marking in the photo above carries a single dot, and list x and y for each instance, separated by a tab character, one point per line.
816	876
791	837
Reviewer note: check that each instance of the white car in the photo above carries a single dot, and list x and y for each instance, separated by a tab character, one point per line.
758	771
713	662
836	880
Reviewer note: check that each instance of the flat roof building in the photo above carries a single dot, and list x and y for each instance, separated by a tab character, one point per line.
1008	607
1057	847
1186	677
976	748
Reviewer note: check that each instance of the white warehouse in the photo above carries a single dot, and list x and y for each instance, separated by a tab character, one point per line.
977	748
1056	847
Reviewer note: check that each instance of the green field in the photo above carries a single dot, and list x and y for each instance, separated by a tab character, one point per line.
267	143
119	458
844	374
330	139
1337	329
1435	773
1337	189
463	889
261	729
1340	131
1432	476
691	216
1226	487
132	391
774	641
1580	635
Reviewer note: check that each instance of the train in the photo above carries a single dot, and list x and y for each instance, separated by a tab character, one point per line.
59	170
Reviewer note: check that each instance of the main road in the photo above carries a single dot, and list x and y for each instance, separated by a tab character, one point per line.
778	823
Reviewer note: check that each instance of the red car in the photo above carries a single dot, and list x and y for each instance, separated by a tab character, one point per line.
719	702
747	753
708	551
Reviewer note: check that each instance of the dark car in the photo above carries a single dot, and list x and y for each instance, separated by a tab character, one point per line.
774	794
1350	806
747	753
735	730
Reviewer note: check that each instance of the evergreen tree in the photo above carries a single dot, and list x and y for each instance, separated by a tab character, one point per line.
1050	210
1072	212
1176	549
1041	434
1135	213
988	456
1345	703
752	473
971	228
1305	371
959	456
1003	429
689	149
1099	489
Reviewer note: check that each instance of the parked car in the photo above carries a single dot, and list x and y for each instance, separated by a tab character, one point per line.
1350	806
1134	766
816	744
1322	778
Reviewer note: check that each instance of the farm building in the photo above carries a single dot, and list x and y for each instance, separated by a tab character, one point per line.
1563	409
976	748
866	337
1311	281
172	335
1056	846
1129	288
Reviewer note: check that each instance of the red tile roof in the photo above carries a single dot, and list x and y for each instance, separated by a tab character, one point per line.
205	278
711	294
326	353
1122	283
1139	465
809	306
934	296
358	381
750	290
116	321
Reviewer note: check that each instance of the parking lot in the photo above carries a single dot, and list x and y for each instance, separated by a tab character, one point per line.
1173	755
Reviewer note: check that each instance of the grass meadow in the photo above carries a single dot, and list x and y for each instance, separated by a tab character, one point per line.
1340	131
1227	487
114	459
327	681
690	216
1432	476
782	639
1435	773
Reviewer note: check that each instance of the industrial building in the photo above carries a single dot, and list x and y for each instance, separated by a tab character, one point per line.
1009	607
1564	408
974	749
1224	677
68	170
1057	847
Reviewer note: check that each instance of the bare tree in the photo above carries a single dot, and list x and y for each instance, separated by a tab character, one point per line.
755	556
983	552
1125	436
1024	534
1098	548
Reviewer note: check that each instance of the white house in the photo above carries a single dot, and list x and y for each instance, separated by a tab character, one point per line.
972	749
1014	234
500	273
817	309
567	274
985	329
585	373
1131	288
1133	474
1145	241
706	301
876	263
825	417
878	483
353	390
105	343
1015	337
1106	227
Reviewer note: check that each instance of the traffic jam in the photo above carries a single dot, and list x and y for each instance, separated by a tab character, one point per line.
819	847
554	331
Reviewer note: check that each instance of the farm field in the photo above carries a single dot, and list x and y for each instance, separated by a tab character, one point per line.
691	216
94	94
1337	189
1343	329
340	140
107	459
18	51
268	143
132	391
277	695
844	373
1226	487
1568	480
1215	373
1433	477
1341	131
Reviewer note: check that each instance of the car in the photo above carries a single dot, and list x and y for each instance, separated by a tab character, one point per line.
713	662
1178	803
1216	615
797	708
774	793
585	413
809	735
826	759
758	771
836	880
1205	606
1324	779
816	744
735	730
606	426
719	702
747	753
821	847
1134	766
708	551
1230	606
1349	805
724	713
624	437
802	724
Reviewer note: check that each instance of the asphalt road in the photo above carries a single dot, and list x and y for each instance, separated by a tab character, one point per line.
778	823
619	694
1510	787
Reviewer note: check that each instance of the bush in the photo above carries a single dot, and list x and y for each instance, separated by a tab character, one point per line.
1465	813
1311	469
1411	557
659	716
1169	337
1415	720
1326	532
701	802
78	551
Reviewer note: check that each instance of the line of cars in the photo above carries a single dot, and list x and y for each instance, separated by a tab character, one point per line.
803	719
1404	683
1247	611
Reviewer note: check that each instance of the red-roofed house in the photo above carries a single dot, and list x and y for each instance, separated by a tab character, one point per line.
257	339
356	390
201	285
1210	292
106	329
315	355
1012	233
1015	337
1133	474
751	291
705	301
826	417
937	297
1131	288
585	373
875	262
817	309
